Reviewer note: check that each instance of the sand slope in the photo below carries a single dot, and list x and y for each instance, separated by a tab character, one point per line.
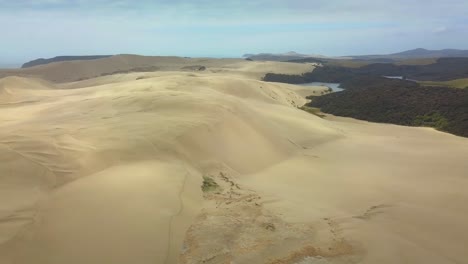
109	170
112	173
397	192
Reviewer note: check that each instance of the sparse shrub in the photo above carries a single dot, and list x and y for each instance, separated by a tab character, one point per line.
269	226
209	184
312	110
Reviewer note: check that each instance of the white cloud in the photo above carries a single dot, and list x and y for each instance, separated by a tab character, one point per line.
45	28
440	30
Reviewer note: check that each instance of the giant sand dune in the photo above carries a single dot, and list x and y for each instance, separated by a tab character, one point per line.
110	169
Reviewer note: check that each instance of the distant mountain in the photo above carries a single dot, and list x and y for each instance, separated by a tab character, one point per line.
72	71
424	53
293	53
288	56
61	58
419	53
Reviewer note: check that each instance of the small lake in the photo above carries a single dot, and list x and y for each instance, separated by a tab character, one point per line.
334	86
399	78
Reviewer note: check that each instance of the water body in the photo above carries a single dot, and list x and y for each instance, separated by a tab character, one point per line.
9	66
334	86
399	77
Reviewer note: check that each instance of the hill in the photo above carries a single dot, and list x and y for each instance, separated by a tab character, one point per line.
424	53
288	56
61	58
419	53
70	71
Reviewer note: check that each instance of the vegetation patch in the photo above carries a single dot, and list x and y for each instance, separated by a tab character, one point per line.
435	120
383	100
209	184
370	96
444	69
138	69
312	110
458	83
194	68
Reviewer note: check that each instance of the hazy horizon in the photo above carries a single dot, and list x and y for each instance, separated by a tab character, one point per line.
18	64
201	28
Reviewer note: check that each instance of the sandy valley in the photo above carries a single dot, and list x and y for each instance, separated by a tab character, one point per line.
98	166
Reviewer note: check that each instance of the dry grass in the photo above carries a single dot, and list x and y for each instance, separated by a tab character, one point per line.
457	83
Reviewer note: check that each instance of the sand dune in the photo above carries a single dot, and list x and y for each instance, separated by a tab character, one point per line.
117	155
397	192
109	170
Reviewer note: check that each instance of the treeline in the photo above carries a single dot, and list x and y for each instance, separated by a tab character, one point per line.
443	70
307	60
400	102
369	81
285	78
320	74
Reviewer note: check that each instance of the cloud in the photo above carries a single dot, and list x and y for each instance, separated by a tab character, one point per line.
189	12
230	27
382	9
440	30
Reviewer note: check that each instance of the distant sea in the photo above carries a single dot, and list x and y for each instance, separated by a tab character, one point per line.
9	66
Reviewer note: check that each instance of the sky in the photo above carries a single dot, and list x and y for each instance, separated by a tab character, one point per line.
227	28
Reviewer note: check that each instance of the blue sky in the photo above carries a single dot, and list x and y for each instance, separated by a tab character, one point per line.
227	28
